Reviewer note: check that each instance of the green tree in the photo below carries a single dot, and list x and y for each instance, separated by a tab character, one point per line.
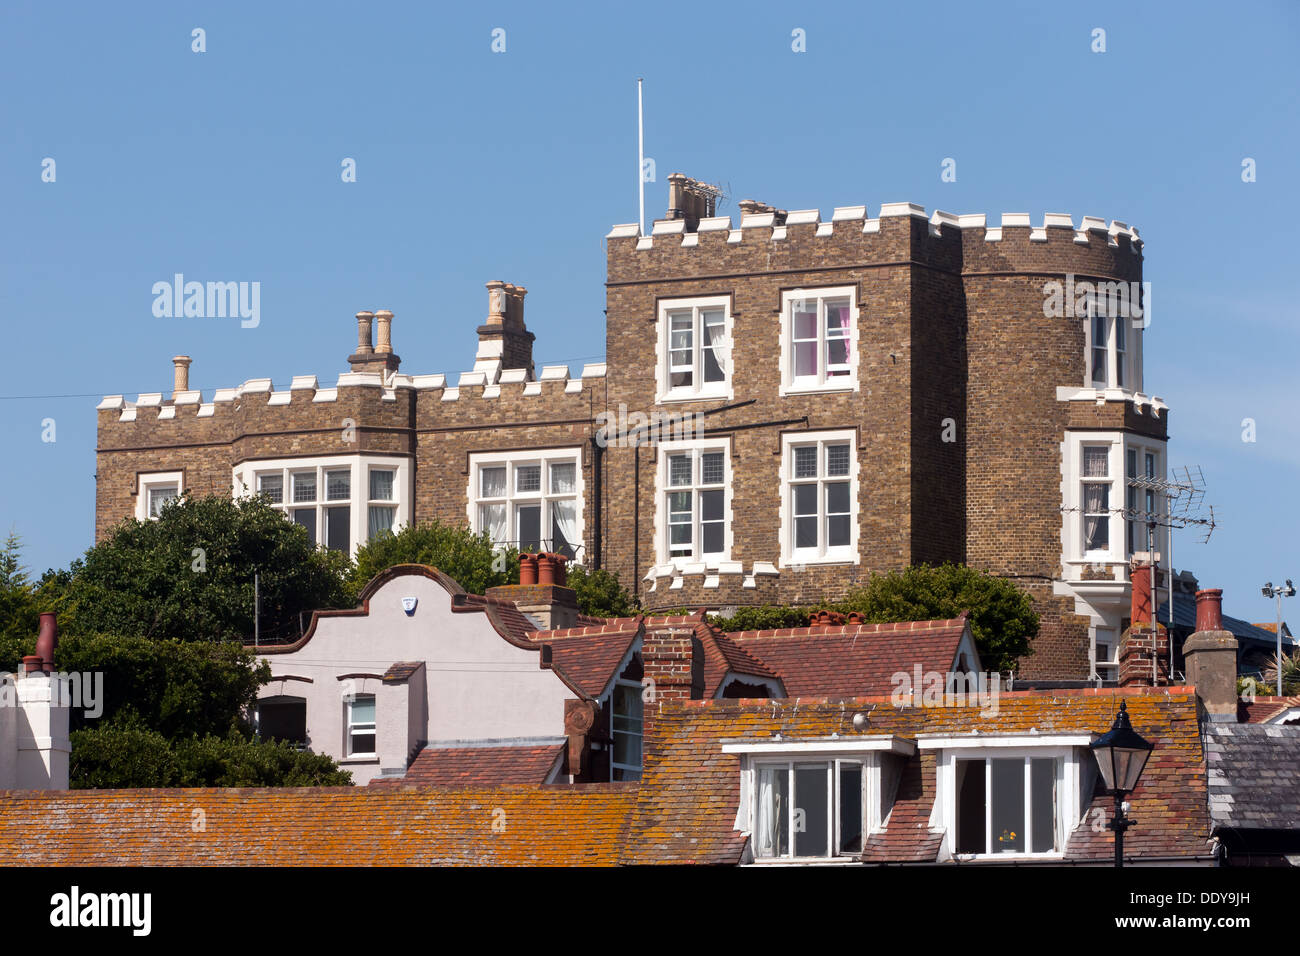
599	593
189	574
1002	617
18	606
467	558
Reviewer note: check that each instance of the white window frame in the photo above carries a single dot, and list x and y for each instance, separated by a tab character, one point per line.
247	474
150	481
1105	669
637	688
349	727
845	554
511	461
698	391
662	488
1068	749
1073	480
790	385
1123	366
1142	449
833	766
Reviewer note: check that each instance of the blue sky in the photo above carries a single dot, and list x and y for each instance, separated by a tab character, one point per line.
474	165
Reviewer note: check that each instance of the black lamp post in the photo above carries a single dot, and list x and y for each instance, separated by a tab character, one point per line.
1121	755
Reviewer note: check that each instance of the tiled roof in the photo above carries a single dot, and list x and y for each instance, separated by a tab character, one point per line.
855	660
1262	709
1254	776
589	661
1185	620
316	826
723	656
689	797
477	766
401	671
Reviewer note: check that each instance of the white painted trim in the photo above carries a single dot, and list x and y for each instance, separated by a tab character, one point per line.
795	746
976	743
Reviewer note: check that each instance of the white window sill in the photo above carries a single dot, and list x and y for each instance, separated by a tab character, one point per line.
676	398
808	861
1003	857
360	758
827	561
799	389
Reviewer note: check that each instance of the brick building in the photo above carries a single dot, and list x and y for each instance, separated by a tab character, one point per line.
787	405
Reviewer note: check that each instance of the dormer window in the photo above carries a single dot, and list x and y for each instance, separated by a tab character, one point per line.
1019	795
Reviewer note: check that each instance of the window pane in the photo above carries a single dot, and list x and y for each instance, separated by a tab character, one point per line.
838	528
530	527
805	500
679	470
970	807
837	498
380	519
1095	459
338	485
805	532
1099	371
713	326
837	357
338	528
1150	465
563	481
805	359
272	486
850	794
362	710
307	518
837	460
1042	796
710	505
381	484
711	468
772	838
158	497
564	527
528	478
492	519
811	826
492	482
304	486
837	319
363	743
805	462
1008	798
805	325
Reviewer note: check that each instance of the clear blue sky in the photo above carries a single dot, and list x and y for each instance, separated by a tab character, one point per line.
473	165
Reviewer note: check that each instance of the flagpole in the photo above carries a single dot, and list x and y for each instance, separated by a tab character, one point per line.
640	154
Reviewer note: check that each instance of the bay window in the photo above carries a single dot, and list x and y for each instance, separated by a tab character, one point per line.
529	500
819	340
694	348
1096	498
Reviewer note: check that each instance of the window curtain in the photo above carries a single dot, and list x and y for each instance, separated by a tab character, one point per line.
380	520
769	812
493	484
566	520
1094	500
492	519
381	485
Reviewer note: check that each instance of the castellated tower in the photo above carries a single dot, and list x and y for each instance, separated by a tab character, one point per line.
787	405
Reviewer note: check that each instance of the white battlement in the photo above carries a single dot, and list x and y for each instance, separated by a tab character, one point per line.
674	230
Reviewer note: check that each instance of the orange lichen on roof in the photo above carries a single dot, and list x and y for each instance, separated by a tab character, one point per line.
316	826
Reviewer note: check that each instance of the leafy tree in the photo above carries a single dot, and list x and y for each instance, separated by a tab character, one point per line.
189	574
1002	617
600	594
467	558
764	617
18	606
125	753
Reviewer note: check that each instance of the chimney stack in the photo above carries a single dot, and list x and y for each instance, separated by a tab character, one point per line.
181	373
1211	658
544	598
380	357
673	661
504	342
1144	647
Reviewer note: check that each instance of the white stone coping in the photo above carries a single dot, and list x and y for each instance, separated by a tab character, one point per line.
148	399
167	411
255	385
280	398
625	231
847	213
802	217
594	370
303	381
191	397
326	395
111	402
668	227
472	378
373	379
451	394
1066	393
554	373
513	376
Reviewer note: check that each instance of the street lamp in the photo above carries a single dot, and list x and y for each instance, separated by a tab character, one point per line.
1122	755
1279	592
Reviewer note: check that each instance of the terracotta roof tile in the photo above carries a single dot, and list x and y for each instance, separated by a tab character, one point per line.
477	766
401	671
334	826
852	660
589	662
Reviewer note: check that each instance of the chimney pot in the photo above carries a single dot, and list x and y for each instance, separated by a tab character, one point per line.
528	569
1209	609
384	321
181	377
47	639
364	346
